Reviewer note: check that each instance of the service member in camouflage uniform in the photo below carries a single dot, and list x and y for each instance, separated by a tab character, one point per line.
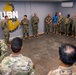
48	21
74	26
16	63
25	26
67	56
59	24
4	25
35	21
3	50
67	25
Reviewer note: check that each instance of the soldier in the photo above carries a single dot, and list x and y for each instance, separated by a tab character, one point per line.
25	26
16	63
59	24
35	21
74	26
67	25
4	25
67	56
3	50
55	19
48	21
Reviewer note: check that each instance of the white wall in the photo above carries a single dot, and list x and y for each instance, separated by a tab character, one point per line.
28	8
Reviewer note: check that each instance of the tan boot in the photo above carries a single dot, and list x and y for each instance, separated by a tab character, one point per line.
72	35
75	36
64	34
23	38
34	35
60	34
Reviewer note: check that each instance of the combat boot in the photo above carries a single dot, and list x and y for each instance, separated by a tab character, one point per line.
72	35
64	34
60	34
67	34
75	36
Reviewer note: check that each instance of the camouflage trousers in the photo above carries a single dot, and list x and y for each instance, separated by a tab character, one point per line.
35	29
47	28
25	31
55	27
59	28
7	35
74	30
66	29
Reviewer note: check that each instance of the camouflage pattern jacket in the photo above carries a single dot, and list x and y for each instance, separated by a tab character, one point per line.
17	65
74	22
25	23
64	71
67	21
60	20
4	25
3	50
35	20
48	19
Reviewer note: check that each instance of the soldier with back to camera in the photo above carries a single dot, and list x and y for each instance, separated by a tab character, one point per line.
67	57
16	63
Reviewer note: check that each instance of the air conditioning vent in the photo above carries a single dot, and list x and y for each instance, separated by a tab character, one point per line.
67	4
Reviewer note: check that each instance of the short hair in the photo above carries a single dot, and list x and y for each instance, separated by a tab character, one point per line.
25	15
68	15
56	13
16	44
6	16
67	54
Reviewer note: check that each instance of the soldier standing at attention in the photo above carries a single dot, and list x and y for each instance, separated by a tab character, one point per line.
25	26
35	21
4	25
48	21
67	57
55	19
74	26
16	63
59	24
67	25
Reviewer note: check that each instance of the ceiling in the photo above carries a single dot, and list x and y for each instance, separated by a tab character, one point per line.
41	0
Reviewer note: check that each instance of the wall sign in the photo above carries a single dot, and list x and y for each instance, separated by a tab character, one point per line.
9	10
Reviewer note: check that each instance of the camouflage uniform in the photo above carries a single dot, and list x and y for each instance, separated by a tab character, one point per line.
59	24
64	71
74	27
25	26
35	21
3	50
4	25
48	21
17	65
66	26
